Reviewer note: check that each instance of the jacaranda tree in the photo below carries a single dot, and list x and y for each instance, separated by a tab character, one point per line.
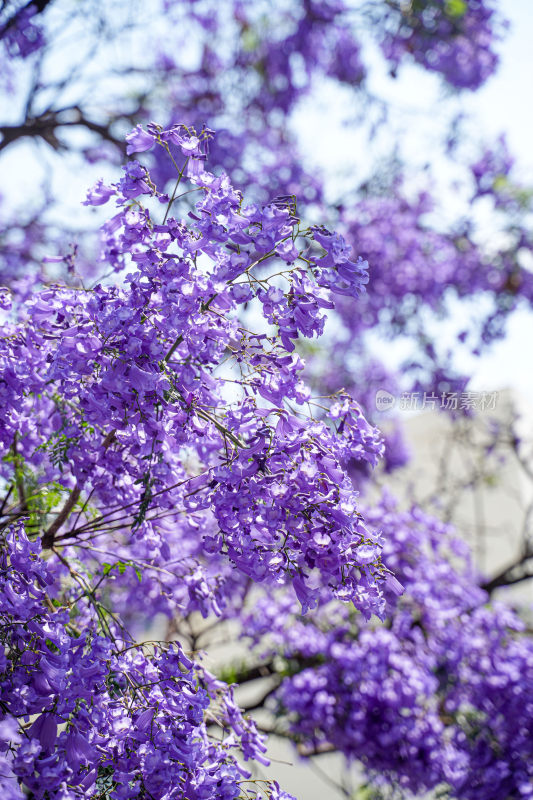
177	442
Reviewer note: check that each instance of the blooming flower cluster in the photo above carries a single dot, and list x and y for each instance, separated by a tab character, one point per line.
453	37
163	453
161	438
412	264
418	270
267	69
21	33
439	697
136	367
86	713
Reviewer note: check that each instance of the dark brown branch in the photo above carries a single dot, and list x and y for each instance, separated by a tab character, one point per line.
294	664
72	499
509	576
254	673
46	126
6	498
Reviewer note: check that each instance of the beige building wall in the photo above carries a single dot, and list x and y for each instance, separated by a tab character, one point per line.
474	474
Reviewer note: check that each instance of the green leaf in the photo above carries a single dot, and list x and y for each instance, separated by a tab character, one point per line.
121	566
456	8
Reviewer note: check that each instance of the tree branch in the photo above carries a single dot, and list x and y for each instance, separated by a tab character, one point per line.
45	127
509	575
72	499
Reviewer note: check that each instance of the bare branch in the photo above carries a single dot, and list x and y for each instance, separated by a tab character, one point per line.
72	499
47	125
514	573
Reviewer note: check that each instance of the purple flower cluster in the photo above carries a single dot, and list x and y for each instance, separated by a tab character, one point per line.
453	37
85	712
416	268
123	381
161	437
269	67
412	264
163	454
439	697
21	34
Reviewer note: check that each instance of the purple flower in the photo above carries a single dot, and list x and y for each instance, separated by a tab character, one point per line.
139	140
99	194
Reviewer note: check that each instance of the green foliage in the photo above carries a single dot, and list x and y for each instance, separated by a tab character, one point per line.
121	567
